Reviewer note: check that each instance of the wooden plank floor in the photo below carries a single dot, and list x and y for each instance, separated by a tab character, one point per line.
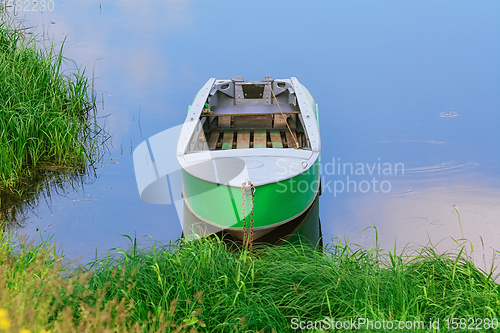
243	139
276	138
259	138
290	138
227	141
214	138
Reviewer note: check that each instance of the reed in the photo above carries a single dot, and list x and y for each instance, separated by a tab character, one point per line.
46	113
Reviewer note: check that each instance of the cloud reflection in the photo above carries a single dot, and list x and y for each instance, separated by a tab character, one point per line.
425	214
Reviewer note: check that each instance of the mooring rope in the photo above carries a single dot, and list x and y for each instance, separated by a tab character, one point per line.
283	115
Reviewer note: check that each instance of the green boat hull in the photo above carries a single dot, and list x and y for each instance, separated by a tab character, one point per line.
221	206
304	229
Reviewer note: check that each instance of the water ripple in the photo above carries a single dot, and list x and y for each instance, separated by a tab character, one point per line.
448	114
440	167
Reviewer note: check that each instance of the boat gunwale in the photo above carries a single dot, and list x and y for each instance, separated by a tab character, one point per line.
307	116
271	158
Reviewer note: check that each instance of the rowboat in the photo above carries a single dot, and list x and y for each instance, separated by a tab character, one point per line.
249	152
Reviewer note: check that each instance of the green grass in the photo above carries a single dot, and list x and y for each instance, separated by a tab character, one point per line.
46	114
204	286
278	284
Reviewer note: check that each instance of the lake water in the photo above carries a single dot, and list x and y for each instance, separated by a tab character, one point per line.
410	86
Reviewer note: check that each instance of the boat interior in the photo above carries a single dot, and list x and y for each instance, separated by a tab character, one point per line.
242	114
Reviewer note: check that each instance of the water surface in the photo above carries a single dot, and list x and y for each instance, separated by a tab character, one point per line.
383	73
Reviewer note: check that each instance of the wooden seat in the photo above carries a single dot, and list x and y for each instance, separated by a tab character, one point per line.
253	122
279	121
224	122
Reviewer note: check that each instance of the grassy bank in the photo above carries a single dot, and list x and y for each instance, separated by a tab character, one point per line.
203	286
45	113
